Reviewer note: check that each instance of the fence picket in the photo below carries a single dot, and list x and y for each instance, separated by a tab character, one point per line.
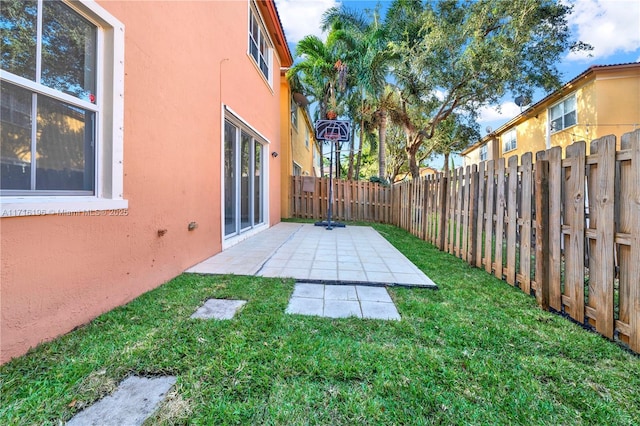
601	208
500	207
525	231
464	214
573	230
512	220
490	202
480	215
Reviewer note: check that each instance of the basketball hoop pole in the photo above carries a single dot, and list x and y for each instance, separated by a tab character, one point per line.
334	131
330	225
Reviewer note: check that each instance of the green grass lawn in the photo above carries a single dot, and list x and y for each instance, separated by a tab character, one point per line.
477	351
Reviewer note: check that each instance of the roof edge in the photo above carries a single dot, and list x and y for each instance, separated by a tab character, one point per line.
269	8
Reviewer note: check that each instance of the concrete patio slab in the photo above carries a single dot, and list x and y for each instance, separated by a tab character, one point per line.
221	309
355	254
136	399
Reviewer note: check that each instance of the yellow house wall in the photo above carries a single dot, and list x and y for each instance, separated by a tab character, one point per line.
302	154
286	168
293	146
530	136
472	157
618	104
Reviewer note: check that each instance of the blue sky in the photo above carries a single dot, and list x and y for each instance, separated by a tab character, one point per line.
611	26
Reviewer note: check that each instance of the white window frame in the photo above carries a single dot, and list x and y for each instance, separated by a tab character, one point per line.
483	152
228	114
564	113
262	35
306	137
510	138
109	126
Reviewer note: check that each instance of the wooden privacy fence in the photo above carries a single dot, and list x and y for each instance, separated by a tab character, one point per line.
352	200
566	230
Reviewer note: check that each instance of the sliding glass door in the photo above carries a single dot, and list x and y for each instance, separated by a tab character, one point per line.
243	180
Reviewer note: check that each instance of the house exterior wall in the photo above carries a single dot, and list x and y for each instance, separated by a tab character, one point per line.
183	61
303	153
286	152
608	102
294	146
617	96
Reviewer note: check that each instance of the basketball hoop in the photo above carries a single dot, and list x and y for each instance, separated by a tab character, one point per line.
333	130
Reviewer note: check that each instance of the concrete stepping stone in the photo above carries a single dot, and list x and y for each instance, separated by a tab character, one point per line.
342	301
135	400
222	309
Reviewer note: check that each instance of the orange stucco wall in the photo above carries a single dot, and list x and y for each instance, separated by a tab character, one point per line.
59	272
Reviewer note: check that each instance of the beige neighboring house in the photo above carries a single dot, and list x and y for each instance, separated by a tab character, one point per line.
603	100
300	149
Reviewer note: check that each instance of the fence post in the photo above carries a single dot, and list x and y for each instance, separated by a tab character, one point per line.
542	233
442	219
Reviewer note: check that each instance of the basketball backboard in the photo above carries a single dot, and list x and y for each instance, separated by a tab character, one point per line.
333	130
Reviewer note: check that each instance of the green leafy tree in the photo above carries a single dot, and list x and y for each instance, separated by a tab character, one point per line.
461	54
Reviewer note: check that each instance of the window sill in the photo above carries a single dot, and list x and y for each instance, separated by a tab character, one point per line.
63	206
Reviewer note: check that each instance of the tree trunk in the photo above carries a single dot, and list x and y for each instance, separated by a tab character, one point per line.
337	165
360	142
414	167
351	153
382	138
445	170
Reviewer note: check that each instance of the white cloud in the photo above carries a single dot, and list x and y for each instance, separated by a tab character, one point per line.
302	17
506	112
610	26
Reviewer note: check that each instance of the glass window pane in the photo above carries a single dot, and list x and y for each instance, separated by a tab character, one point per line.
254	50
570	119
15	143
570	104
264	68
556	112
245	148
229	179
257	187
65	147
254	28
68	51
18	20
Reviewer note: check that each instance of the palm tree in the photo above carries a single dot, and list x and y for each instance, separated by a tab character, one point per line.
364	44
